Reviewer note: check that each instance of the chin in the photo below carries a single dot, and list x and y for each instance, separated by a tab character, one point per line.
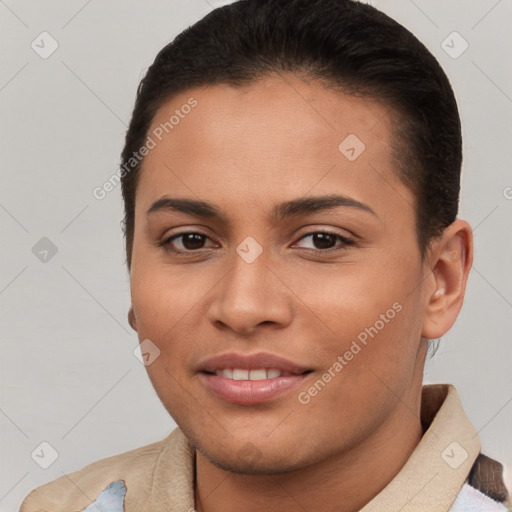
250	461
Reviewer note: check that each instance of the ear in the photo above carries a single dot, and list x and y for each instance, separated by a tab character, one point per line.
450	259
131	319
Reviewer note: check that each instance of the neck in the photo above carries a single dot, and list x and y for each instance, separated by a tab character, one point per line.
344	482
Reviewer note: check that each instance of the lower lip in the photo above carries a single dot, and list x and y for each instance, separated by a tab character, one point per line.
249	392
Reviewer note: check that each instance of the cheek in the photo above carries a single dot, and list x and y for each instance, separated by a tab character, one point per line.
163	297
344	301
164	307
169	307
371	319
370	363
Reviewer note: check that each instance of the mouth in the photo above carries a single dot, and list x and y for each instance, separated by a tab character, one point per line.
248	391
253	379
254	375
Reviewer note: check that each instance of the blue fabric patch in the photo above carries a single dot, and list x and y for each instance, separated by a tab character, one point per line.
111	499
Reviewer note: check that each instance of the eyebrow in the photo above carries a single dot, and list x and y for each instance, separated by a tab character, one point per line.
292	208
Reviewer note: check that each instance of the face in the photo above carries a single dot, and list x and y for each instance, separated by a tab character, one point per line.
289	329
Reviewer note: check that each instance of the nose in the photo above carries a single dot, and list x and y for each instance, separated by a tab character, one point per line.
249	296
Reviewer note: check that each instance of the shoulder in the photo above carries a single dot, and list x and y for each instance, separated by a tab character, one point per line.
75	491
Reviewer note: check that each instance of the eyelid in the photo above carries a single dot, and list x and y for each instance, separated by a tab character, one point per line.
165	243
346	241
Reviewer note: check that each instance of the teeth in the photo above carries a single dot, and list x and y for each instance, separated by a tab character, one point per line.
240	374
257	375
227	373
260	374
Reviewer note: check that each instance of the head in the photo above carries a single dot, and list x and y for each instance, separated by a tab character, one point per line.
311	149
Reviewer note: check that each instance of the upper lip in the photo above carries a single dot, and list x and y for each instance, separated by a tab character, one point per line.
250	362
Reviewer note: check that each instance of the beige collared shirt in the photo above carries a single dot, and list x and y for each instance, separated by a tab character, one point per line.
160	476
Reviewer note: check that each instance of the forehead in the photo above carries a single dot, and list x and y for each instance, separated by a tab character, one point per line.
280	103
278	136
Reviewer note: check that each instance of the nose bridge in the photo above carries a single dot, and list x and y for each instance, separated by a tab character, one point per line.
249	293
247	283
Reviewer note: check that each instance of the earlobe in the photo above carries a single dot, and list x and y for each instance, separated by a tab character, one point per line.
451	262
131	319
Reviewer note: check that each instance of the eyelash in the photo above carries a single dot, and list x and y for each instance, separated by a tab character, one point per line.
167	245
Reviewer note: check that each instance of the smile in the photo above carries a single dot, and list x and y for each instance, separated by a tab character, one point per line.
261	374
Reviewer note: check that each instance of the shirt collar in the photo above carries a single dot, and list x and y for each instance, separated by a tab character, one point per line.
437	469
430	480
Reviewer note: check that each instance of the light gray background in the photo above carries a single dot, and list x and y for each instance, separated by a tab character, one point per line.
68	373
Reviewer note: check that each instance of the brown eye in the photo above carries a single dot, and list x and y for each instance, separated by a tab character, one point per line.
185	242
192	241
324	241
